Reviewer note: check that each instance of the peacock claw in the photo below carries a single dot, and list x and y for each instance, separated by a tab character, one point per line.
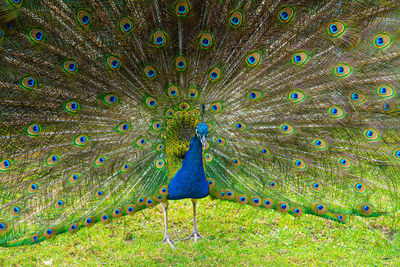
195	235
167	239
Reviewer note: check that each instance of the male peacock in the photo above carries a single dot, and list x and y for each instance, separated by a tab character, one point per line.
109	107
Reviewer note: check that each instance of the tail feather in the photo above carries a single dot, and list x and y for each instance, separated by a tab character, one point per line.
300	100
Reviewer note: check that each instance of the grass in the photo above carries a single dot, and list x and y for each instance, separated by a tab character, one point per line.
237	235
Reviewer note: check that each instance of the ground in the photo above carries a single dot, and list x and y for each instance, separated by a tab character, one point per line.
237	235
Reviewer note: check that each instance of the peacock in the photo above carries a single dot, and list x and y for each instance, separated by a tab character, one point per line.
114	106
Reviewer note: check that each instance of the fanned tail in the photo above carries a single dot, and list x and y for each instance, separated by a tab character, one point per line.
99	100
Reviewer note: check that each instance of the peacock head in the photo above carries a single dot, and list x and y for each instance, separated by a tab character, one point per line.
201	132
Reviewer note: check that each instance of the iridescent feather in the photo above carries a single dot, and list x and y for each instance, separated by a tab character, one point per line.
100	102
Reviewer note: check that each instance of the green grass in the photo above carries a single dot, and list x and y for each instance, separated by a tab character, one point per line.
236	235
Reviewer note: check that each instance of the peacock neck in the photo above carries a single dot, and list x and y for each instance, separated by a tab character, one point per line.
190	180
195	154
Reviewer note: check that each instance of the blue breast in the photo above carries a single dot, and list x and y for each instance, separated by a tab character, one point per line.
190	181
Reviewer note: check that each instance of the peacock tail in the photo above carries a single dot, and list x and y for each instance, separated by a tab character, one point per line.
99	101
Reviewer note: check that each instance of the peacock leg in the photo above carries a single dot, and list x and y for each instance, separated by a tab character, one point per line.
195	233
167	238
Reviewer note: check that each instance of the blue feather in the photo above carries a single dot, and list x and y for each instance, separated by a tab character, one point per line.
190	181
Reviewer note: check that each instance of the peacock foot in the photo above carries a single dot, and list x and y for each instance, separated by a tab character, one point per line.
195	235
167	239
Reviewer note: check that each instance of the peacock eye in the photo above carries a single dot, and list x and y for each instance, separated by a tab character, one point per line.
206	40
172	91
28	83
287	129
193	94
150	72
283	207
343	70
53	159
299	58
336	112
100	161
70	66
236	19
110	99
113	62
5	165
180	63
253	59
159	39
81	140
316	186
37	36
126	25
386	91
296	96
84	18
286	14
151	103
214	74
382	40
345	162
217	107
182	8
336	28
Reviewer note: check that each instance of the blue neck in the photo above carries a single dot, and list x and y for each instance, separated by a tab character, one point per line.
190	181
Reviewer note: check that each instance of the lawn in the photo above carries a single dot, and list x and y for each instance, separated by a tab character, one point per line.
237	235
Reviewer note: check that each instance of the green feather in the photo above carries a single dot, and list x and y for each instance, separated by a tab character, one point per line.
96	112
